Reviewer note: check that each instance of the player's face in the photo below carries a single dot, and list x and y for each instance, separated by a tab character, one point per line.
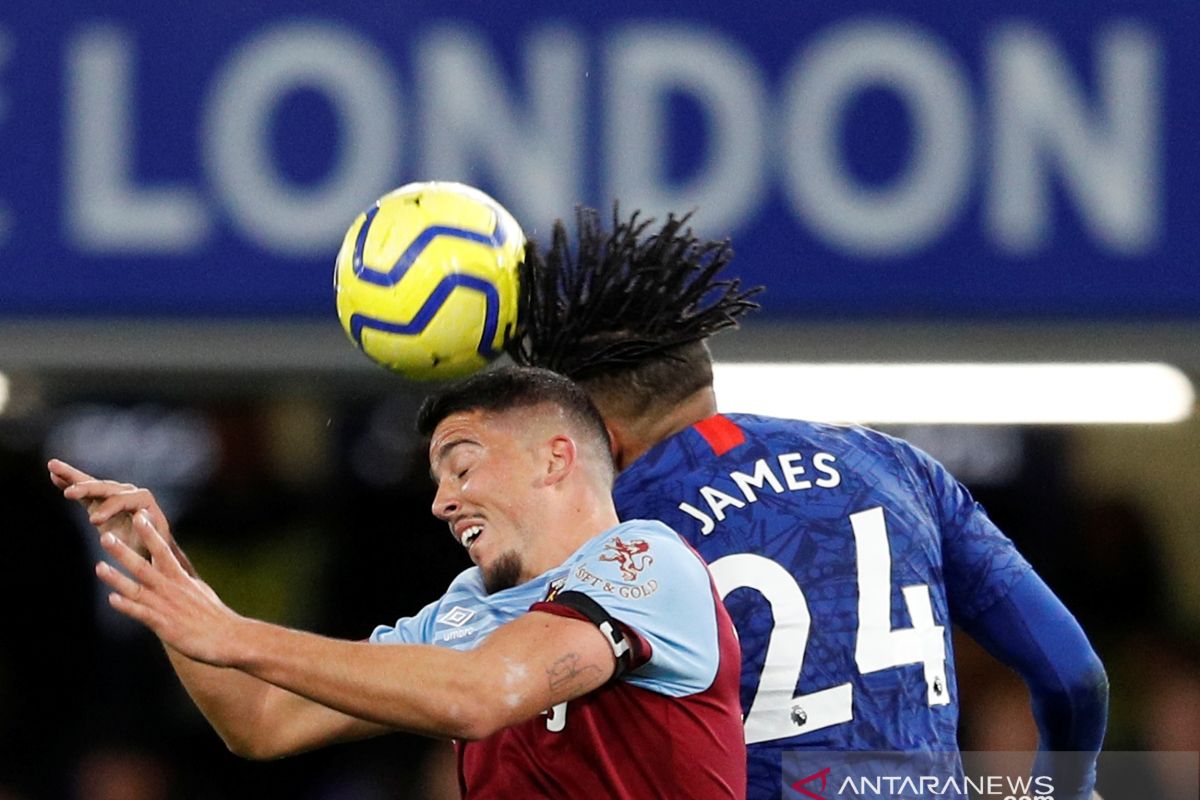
482	467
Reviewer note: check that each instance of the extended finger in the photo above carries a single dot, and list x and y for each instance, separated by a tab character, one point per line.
92	489
64	472
160	552
118	581
140	612
127	501
142	570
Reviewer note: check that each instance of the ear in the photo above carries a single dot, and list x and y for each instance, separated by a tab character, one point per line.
563	455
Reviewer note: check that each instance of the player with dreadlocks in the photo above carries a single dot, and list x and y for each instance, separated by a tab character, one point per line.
843	554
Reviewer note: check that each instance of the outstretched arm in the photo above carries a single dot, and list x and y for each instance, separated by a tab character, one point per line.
253	717
1030	630
260	721
525	667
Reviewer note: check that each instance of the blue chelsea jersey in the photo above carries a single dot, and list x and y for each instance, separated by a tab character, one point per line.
843	555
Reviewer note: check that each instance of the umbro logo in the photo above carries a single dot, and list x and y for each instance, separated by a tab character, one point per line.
456	617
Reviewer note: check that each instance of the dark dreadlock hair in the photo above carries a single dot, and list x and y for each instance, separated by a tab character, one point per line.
626	309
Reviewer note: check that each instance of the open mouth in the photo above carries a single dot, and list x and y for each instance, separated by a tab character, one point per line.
470	535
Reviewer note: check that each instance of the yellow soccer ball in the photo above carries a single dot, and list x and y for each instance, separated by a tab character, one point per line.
427	280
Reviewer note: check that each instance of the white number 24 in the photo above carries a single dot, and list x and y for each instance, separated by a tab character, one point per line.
775	712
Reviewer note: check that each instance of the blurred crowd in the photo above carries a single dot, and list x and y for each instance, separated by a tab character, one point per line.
317	516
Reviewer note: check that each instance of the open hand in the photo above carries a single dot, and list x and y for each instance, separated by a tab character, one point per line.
182	610
111	506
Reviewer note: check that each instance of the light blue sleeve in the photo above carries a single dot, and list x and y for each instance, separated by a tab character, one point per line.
649	580
417	629
422	627
464	616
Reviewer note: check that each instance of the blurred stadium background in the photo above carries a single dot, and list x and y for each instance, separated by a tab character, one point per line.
912	181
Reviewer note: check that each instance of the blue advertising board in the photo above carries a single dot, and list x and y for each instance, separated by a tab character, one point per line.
870	160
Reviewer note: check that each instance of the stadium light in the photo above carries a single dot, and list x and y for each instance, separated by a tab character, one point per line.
976	394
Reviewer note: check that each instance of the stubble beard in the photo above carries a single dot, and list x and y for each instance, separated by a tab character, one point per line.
503	573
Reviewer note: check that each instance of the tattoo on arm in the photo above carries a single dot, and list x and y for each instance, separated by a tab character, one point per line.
568	674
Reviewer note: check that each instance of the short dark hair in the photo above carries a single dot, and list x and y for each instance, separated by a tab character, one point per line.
626	312
510	387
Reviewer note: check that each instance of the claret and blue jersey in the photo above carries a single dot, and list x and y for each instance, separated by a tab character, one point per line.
667	726
843	556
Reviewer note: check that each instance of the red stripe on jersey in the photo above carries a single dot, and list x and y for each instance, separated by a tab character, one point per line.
721	433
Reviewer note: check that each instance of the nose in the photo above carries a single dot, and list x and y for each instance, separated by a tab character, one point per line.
445	502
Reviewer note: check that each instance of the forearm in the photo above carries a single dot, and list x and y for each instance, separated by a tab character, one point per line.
1032	632
524	668
419	688
1071	716
258	720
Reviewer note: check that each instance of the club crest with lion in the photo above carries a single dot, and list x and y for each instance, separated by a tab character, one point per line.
632	557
